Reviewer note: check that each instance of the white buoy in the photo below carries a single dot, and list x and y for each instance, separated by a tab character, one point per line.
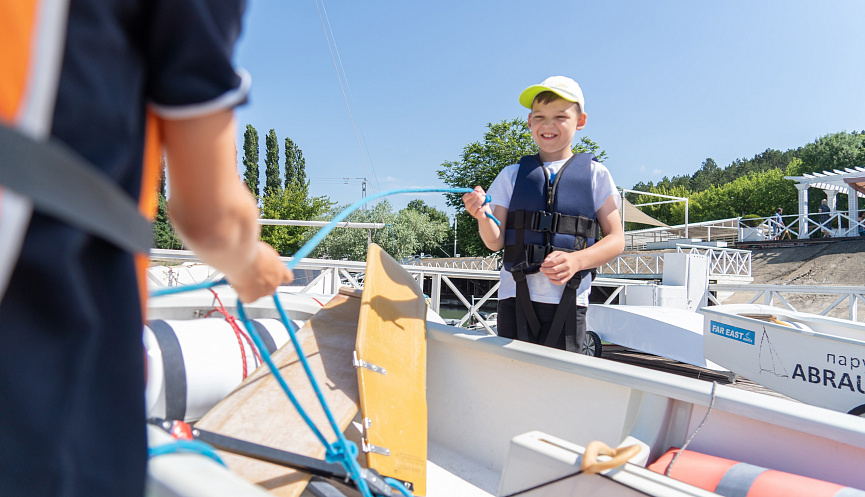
193	364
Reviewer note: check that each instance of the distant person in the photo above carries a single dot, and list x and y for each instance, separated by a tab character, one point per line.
86	73
778	225
823	217
862	223
551	206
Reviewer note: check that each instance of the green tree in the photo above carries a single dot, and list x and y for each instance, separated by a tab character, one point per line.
503	144
294	204
271	164
834	151
295	164
250	159
404	234
708	175
437	229
164	236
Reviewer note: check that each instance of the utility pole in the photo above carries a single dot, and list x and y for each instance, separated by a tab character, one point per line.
362	184
455	235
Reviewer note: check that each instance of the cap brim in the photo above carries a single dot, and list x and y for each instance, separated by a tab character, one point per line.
528	95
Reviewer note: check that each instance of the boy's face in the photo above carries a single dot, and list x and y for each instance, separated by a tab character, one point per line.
553	127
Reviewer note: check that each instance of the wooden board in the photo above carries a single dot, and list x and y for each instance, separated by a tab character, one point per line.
392	336
259	411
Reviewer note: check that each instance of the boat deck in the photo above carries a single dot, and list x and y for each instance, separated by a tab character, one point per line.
634	357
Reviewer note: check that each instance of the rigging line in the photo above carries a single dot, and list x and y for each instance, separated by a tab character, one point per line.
340	77
376	186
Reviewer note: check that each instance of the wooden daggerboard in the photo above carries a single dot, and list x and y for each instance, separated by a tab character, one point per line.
391	356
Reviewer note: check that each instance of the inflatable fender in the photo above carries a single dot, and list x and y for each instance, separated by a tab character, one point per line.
193	364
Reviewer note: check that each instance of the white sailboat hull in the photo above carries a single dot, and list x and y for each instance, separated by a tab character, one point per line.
815	359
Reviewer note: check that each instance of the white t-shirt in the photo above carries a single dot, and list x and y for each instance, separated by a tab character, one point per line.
540	287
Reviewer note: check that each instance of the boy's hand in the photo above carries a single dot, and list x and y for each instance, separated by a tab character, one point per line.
560	266
262	276
474	202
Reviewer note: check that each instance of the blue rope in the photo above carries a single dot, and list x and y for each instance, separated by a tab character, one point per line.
319	236
189	446
397	485
317	239
342	450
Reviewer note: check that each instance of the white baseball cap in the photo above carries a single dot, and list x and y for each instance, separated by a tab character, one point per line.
562	86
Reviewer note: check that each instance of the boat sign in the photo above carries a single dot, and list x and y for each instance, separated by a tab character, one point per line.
725	330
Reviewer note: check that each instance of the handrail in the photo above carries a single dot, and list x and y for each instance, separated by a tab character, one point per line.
852	295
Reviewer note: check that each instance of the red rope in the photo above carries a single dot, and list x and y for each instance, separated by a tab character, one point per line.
238	332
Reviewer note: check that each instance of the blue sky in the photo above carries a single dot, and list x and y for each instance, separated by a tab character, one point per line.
667	83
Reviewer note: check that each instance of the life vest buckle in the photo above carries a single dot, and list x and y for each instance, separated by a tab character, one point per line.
545	221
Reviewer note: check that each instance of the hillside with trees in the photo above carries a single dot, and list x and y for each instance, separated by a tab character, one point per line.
755	186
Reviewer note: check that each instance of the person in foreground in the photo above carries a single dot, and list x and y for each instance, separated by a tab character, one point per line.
107	79
553	207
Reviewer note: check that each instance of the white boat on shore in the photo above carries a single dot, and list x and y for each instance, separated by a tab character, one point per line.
816	359
512	418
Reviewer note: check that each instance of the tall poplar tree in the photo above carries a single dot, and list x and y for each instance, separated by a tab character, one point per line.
271	164
290	151
250	159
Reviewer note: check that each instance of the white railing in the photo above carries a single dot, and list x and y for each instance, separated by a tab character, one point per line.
491	263
834	298
722	262
634	264
838	224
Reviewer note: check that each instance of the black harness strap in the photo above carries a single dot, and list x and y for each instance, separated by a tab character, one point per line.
527	320
568	302
60	183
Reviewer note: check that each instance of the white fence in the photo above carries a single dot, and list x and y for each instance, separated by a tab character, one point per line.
326	276
833	298
722	262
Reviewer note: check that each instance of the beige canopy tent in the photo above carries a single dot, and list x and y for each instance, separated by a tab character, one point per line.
634	215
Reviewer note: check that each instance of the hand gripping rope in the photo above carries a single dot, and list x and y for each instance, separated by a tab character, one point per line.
342	450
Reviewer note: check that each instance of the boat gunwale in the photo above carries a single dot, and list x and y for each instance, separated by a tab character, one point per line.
832	425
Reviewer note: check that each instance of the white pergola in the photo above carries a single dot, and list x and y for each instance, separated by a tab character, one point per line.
832	183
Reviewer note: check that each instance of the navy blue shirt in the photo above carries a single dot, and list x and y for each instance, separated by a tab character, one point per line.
71	357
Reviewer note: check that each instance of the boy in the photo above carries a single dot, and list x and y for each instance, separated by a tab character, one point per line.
550	206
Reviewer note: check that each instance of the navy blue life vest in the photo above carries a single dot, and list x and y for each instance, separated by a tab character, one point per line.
545	216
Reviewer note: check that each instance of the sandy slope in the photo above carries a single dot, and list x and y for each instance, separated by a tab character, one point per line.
830	264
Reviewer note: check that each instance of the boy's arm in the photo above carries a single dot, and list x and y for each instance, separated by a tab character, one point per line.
492	235
212	210
560	266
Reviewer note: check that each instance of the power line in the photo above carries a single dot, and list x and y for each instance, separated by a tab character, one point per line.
341	76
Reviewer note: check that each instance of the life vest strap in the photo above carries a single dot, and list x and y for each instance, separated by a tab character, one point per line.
553	222
527	320
63	185
568	302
